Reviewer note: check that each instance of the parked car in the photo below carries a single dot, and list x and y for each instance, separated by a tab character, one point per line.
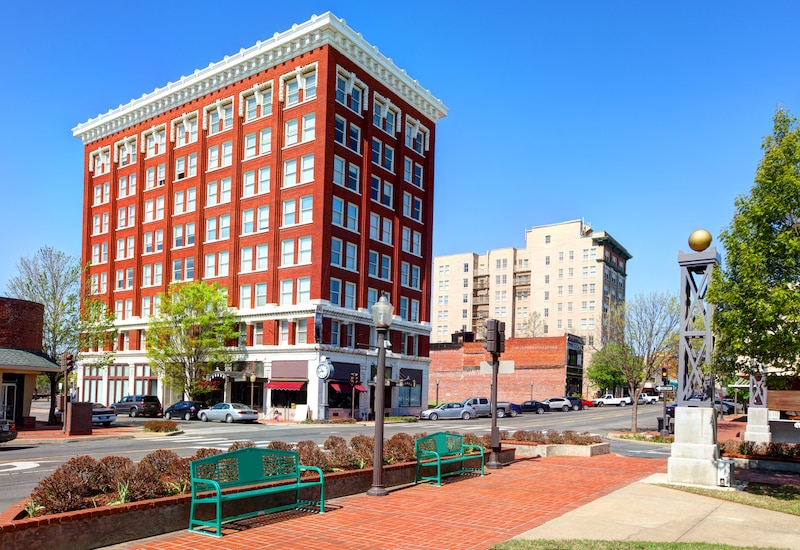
483	406
645	399
579	403
558	403
450	410
229	412
8	430
103	415
737	406
534	406
135	405
184	409
609	399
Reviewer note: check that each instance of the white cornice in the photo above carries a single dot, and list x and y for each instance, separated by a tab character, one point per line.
317	31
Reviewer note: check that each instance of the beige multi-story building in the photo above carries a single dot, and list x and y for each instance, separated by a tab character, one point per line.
561	282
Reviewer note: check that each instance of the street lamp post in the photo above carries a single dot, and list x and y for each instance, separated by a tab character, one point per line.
252	387
531	390
437	392
382	312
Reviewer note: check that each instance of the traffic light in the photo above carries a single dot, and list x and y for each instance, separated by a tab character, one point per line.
501	336
355	378
664	375
491	336
67	362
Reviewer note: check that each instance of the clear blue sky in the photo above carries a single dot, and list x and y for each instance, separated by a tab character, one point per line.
643	118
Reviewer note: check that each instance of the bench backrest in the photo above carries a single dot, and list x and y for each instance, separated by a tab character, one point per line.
440	442
247	466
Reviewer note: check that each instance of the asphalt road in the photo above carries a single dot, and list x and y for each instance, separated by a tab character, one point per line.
23	465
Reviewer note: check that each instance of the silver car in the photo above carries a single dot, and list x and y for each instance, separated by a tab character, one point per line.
229	412
558	403
450	410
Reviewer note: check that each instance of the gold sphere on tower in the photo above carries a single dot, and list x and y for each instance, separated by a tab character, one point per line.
699	240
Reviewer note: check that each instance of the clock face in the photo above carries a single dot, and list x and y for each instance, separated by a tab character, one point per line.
323	370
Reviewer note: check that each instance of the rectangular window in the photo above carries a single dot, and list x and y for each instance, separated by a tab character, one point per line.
261	294
302	87
220	117
412	207
186	131
245	297
258	103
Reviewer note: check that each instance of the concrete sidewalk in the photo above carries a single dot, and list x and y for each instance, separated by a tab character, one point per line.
646	512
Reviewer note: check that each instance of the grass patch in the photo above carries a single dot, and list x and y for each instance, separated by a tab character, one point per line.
778	498
651	438
521	544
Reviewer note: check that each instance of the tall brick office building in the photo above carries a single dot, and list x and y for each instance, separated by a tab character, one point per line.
298	174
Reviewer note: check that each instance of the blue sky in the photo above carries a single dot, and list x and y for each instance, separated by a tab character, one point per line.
643	118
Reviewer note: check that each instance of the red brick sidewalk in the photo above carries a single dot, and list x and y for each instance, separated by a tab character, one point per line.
466	512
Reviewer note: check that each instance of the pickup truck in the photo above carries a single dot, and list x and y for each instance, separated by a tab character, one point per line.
483	405
609	399
645	399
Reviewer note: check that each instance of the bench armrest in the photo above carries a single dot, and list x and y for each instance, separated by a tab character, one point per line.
200	485
467	446
303	468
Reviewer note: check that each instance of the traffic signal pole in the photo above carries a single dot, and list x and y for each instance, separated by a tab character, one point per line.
495	344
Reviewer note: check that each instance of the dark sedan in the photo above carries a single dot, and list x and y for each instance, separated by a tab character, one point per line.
534	406
187	410
8	430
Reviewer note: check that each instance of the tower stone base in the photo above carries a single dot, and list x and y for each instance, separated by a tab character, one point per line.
758	425
694	452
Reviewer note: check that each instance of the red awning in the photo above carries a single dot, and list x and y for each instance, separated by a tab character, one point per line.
279	385
343	387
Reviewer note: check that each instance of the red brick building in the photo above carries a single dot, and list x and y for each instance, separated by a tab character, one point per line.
298	174
543	367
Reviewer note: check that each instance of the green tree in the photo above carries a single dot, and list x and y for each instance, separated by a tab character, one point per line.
52	279
644	331
756	293
187	339
604	371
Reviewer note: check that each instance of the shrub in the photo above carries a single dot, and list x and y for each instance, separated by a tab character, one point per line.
68	487
113	470
241	445
340	456
160	426
280	446
310	454
154	475
363	447
204	452
399	448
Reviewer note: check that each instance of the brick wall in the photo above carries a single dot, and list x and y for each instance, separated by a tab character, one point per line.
21	324
542	361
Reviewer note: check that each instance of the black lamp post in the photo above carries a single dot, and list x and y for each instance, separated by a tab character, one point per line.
382	312
437	392
531	390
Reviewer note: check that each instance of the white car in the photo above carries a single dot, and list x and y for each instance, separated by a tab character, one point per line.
229	412
558	403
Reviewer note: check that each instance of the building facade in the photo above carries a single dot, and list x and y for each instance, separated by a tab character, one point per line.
298	174
543	367
560	283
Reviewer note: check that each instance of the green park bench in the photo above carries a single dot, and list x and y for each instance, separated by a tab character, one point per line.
247	473
435	450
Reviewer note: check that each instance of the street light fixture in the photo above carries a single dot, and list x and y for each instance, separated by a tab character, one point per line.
382	312
252	387
437	392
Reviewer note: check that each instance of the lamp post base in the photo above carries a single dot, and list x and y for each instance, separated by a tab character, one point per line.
493	463
377	491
